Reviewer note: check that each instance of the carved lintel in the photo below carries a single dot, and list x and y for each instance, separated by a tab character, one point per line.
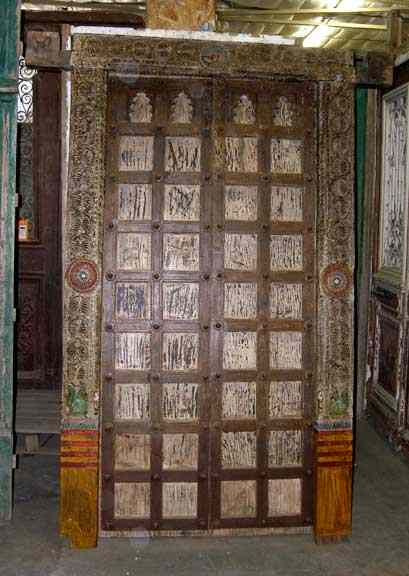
333	485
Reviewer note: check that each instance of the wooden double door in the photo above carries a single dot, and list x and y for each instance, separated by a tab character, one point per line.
208	304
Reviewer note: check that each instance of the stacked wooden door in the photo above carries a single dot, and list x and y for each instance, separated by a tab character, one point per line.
209	304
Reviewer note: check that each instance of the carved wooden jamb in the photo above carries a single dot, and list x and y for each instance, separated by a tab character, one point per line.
91	57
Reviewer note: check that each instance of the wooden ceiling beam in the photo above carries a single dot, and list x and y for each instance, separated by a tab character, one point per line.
373	12
312	23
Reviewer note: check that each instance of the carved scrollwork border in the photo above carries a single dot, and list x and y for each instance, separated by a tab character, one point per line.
83	243
191	57
334	392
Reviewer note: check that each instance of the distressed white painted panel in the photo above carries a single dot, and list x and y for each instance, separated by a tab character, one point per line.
240	300
132	451
180	451
133	300
287	203
179	500
140	109
180	351
132	500
240	203
181	252
241	154
286	156
181	109
180	301
182	154
135	202
180	401
284	497
136	153
181	203
132	402
285	400
286	350
134	251
244	111
394	181
238	499
239	400
240	351
286	301
132	351
283	112
286	252
239	450
240	251
285	448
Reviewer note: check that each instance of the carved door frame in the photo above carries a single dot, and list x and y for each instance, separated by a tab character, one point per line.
335	76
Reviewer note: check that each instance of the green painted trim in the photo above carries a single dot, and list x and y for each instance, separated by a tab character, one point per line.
8	125
361	101
9	38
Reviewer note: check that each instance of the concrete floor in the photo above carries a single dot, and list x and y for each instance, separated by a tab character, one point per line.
30	546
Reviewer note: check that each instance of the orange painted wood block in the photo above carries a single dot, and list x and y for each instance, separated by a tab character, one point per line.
79	487
333	485
180	14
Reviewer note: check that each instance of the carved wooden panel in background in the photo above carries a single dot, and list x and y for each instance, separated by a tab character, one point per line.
240	203
286	252
284	497
180	451
134	251
239	400
180	401
132	500
132	402
135	202
132	451
181	252
241	155
286	203
285	350
180	301
240	351
238	499
179	500
394	180
286	156
133	351
239	450
286	301
240	251
240	300
285	399
180	351
182	154
181	202
136	153
285	448
133	301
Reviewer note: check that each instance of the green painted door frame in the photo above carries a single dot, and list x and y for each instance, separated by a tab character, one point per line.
9	37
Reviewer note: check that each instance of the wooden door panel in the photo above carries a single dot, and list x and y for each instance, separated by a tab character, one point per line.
209	305
156	305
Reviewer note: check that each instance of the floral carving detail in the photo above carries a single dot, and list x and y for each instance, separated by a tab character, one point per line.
140	109
82	275
244	112
336	280
182	109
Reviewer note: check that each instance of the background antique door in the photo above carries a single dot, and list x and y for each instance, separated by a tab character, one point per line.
209	304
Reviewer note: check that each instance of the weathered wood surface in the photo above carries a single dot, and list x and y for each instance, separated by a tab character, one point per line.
9	26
